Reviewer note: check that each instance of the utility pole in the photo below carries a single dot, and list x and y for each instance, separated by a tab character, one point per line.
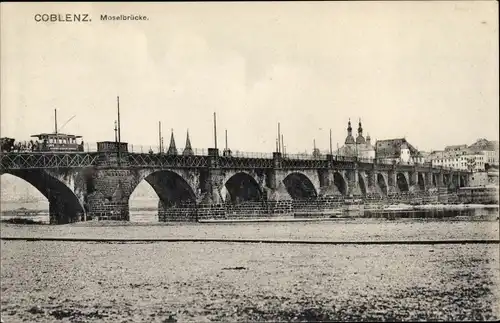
282	149
331	150
116	132
119	130
55	121
226	139
55	125
279	138
159	136
215	130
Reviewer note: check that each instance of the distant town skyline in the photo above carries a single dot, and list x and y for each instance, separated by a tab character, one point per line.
425	71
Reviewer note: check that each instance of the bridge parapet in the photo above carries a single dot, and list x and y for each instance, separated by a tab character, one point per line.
51	160
167	161
245	163
44	160
304	163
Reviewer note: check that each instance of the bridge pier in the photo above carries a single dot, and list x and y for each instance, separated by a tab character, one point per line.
429	184
353	183
108	192
328	187
392	186
413	186
278	199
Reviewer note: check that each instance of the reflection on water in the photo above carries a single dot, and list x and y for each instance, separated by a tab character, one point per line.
433	213
151	216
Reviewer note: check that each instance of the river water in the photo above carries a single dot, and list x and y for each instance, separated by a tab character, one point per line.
50	281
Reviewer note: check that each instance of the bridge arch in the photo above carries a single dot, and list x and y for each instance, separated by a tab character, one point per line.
299	186
382	183
241	187
64	205
170	186
402	182
421	181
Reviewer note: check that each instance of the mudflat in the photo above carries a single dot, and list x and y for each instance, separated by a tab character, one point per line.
200	282
47	281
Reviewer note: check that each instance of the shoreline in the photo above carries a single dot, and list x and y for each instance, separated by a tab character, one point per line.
335	216
340	210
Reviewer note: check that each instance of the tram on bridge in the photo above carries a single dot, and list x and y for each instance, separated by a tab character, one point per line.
45	142
59	142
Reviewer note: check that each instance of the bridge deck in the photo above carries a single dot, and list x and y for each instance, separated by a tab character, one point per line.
46	160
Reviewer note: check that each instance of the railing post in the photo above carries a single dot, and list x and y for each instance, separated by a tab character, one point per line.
213	153
329	158
277	160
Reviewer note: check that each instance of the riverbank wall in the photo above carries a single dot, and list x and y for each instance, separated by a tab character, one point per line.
321	207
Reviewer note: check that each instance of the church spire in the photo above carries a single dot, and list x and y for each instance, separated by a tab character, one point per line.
188	151
349	139
359	139
171	149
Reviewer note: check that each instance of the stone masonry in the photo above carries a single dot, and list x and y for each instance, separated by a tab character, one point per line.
214	190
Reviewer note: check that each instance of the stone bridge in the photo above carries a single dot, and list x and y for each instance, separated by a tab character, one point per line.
82	186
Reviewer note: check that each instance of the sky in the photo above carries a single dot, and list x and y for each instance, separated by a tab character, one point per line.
426	71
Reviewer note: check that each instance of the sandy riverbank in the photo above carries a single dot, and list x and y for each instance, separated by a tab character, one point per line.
87	282
407	207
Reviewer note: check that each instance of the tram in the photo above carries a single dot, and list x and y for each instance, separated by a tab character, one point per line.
58	142
45	142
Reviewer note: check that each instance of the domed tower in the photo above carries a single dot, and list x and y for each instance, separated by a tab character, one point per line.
369	149
360	139
349	140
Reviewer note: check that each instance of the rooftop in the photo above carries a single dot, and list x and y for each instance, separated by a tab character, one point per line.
391	148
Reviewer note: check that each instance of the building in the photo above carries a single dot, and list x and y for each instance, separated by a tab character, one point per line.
458	159
476	157
359	147
397	151
484	178
488	148
455	148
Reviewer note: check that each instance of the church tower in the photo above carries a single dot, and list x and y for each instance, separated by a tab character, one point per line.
171	149
349	140
188	151
360	139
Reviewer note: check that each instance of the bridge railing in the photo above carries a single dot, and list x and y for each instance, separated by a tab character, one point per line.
145	149
246	154
304	156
